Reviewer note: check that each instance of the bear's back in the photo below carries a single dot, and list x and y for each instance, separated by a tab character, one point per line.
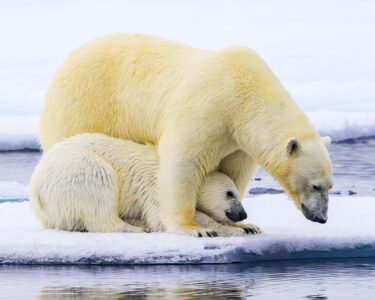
118	85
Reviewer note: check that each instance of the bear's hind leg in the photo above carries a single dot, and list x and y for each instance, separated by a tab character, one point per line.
97	197
113	223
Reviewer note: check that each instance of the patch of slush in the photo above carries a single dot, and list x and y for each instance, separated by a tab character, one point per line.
286	235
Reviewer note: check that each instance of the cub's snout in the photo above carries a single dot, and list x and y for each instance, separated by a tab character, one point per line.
220	199
236	213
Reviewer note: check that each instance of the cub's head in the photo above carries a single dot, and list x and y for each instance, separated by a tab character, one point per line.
219	198
309	176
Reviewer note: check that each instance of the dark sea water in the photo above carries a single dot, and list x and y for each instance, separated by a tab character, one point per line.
353	169
316	279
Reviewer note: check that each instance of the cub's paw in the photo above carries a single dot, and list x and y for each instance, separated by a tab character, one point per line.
228	231
249	228
195	231
135	229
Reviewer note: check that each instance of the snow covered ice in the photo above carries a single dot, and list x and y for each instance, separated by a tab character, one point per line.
322	53
286	235
11	191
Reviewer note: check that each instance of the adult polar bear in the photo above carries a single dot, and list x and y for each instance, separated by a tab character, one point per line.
222	110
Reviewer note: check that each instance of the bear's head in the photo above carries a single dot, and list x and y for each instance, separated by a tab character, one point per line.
219	199
309	176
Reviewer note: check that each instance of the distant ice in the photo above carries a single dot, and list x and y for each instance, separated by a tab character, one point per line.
342	125
20	133
12	191
286	235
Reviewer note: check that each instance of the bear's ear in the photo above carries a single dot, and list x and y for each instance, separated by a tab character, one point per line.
293	147
326	140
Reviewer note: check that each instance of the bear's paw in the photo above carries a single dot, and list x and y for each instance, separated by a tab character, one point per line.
195	231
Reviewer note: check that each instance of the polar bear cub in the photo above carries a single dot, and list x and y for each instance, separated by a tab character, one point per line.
96	183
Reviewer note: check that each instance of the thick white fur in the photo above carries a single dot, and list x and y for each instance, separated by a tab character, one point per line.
223	110
94	182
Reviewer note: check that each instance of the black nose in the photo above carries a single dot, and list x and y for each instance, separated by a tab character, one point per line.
319	220
236	215
311	216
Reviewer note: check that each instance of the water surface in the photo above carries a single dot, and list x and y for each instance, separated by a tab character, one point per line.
353	169
316	279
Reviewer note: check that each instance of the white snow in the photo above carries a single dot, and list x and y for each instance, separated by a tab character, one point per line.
286	235
12	191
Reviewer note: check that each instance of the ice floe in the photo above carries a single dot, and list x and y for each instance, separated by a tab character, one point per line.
286	235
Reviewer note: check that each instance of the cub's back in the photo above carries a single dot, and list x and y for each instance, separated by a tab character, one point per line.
118	152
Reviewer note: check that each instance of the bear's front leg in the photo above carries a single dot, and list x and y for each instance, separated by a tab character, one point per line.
240	167
179	180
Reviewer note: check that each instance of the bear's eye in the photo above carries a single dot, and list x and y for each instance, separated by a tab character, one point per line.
317	188
230	194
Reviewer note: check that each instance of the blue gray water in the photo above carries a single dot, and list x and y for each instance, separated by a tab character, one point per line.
337	279
353	170
353	166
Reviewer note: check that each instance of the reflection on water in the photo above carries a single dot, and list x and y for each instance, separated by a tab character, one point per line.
341	279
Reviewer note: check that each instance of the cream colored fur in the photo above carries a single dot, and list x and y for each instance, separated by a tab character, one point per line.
206	110
101	184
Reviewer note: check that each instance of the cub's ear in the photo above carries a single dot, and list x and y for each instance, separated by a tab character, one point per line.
293	147
326	140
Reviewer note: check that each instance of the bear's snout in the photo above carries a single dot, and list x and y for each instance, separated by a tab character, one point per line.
236	214
320	218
